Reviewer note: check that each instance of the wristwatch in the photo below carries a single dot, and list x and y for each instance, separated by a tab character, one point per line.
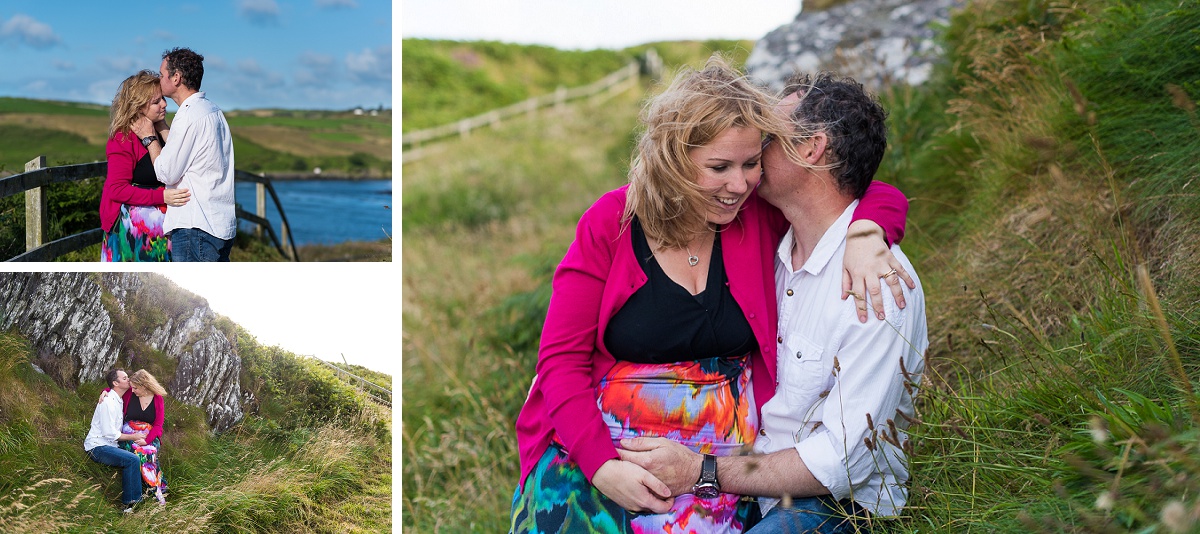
149	139
707	487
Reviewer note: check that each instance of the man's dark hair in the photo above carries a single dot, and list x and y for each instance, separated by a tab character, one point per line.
112	376
852	119
188	64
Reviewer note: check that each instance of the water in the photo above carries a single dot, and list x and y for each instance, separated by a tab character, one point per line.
326	211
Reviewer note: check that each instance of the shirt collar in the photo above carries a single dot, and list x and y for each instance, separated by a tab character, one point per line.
197	94
830	242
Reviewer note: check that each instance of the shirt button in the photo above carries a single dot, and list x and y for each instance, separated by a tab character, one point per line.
762	432
790	292
779	339
798	355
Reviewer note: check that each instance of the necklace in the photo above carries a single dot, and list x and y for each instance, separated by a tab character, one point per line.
692	258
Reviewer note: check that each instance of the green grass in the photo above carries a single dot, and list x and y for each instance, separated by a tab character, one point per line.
328	471
25	105
1049	157
22	144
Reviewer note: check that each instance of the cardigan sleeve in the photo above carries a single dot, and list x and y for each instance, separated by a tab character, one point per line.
118	184
160	406
568	346
885	205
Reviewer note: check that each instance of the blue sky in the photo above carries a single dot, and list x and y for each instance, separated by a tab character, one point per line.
589	24
297	54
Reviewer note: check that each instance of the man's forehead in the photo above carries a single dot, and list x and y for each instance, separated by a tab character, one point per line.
789	103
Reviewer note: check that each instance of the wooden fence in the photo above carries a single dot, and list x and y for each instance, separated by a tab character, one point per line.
376	392
613	84
37	176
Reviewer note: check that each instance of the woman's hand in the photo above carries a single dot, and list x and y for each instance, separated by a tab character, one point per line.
142	127
140	441
176	197
867	260
632	487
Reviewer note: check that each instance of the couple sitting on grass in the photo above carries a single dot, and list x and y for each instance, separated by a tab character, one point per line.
125	432
700	314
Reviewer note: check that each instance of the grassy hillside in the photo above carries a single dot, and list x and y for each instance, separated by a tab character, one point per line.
1050	165
264	140
445	81
310	456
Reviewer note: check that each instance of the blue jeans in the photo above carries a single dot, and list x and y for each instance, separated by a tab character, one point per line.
813	514
131	474
191	244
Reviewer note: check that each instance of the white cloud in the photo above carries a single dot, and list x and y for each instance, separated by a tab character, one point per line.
63	65
261	12
26	29
318	70
371	65
120	65
336	4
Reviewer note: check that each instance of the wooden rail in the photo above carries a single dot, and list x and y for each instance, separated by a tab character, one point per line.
37	176
613	84
376	392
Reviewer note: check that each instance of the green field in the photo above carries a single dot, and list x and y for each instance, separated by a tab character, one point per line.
1049	163
336	141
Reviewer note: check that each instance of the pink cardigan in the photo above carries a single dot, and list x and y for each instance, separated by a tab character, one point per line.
159	415
596	278
124	150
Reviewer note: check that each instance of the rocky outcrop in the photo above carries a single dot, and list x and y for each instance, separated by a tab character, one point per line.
79	325
877	42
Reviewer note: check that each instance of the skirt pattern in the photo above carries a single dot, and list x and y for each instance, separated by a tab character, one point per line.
137	236
707	405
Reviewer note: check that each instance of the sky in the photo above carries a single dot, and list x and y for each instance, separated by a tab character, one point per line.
590	24
325	311
294	54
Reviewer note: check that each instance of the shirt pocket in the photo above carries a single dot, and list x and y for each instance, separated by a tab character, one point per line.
803	370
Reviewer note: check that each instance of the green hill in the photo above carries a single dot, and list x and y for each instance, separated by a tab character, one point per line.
1049	162
340	142
311	455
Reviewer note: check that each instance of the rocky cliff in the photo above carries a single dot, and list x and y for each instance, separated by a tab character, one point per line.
878	42
81	325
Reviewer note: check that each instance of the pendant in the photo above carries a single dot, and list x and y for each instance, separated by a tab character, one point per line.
693	260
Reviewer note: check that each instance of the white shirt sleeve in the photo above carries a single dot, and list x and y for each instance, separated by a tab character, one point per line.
868	389
172	161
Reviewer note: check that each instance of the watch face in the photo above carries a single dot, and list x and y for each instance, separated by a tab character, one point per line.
706	491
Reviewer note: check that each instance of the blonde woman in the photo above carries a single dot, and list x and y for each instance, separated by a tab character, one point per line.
133	202
662	319
145	411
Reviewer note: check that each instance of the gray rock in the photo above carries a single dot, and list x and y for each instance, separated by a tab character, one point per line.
877	42
69	326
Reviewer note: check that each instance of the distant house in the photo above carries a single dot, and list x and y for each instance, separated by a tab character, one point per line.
358	111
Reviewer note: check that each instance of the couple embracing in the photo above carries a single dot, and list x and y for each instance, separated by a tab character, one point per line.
701	313
125	432
169	192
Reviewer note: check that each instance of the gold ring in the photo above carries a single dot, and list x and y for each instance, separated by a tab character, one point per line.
889	273
856	295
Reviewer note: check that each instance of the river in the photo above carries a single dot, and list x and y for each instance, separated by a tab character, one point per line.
327	211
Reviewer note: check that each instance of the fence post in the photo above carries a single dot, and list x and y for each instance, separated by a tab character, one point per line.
36	208
260	205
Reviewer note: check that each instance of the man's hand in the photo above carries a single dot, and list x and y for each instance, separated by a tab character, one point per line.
632	487
867	260
672	463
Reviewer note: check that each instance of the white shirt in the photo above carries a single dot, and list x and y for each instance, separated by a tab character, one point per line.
198	156
106	422
822	412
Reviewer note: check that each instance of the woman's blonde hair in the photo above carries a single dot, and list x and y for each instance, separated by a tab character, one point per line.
135	92
696	108
143	379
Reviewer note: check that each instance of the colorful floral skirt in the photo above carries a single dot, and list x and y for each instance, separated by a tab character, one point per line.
137	236
706	405
148	457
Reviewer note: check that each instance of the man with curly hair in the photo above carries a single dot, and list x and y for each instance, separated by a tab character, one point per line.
198	156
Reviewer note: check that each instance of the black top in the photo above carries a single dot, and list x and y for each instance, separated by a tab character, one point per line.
663	323
143	174
134	411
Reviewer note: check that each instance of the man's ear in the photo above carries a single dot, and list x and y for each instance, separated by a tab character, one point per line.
814	147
